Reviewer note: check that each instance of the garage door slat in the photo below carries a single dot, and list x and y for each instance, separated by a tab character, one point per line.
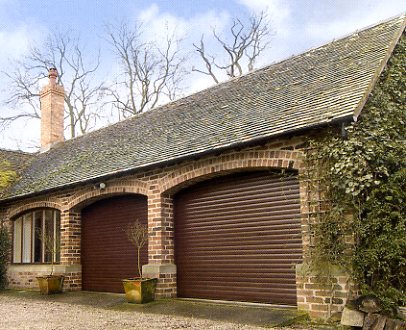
107	255
239	238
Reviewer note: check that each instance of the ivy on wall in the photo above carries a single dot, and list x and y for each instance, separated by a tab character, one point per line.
4	255
7	175
363	176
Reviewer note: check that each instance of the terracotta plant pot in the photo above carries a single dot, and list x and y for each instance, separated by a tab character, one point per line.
140	291
50	284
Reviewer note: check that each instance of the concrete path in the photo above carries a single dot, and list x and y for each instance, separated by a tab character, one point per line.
89	310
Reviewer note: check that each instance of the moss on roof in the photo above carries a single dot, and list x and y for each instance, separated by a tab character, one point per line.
18	160
12	164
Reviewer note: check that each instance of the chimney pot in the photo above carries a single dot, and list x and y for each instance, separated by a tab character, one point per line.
52	75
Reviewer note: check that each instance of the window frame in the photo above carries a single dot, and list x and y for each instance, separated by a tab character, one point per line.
32	215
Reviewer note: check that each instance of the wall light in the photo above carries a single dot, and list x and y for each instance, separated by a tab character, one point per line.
100	185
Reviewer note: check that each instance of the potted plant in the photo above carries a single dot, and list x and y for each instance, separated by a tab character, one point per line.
139	290
50	284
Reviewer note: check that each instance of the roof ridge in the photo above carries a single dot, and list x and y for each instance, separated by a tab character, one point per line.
334	40
309	50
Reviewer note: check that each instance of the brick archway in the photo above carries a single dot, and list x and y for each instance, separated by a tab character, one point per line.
91	194
161	249
34	205
228	163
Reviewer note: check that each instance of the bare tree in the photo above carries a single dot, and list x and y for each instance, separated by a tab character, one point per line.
137	234
63	52
241	47
151	73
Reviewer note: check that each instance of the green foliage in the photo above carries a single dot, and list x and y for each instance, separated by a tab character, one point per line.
7	175
5	245
365	174
380	256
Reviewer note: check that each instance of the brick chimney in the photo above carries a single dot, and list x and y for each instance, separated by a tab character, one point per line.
52	103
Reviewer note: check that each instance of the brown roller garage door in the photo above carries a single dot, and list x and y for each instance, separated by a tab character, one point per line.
107	255
238	238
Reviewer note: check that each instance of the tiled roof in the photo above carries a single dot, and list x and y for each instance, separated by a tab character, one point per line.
17	159
326	84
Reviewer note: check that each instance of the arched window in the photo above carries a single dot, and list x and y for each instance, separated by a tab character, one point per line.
30	232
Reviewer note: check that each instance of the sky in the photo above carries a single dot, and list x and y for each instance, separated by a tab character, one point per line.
298	25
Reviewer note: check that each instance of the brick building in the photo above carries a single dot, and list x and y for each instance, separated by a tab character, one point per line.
215	175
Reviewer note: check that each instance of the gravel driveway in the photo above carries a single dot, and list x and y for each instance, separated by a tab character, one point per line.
22	313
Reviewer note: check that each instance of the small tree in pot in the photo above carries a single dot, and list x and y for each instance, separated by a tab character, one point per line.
139	290
50	284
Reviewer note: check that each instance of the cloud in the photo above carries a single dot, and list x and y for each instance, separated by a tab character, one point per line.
15	39
13	43
148	14
356	18
192	28
281	18
25	135
278	8
300	25
278	11
158	22
17	30
189	30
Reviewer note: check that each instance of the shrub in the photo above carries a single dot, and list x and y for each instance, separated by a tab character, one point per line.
5	245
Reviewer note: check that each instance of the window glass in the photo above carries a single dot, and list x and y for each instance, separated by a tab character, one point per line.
30	233
17	240
49	234
37	232
57	235
27	238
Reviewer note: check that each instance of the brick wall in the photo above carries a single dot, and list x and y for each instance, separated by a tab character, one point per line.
52	112
24	276
318	298
159	185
